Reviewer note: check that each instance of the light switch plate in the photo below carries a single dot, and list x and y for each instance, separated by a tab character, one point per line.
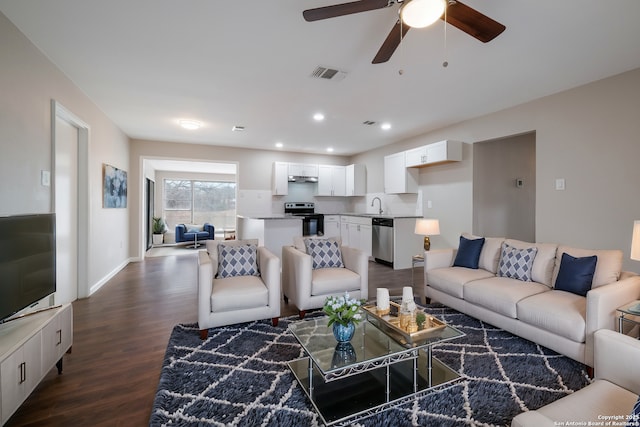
45	178
560	184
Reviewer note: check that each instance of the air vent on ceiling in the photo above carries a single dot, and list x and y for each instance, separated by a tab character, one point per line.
328	73
238	128
368	122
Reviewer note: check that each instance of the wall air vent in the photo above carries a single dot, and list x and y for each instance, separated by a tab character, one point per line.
327	73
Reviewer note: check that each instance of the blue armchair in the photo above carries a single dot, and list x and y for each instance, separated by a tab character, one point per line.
189	232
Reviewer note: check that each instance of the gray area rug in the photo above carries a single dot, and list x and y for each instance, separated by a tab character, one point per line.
240	377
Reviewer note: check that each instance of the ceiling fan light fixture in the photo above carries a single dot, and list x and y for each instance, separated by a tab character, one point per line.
422	13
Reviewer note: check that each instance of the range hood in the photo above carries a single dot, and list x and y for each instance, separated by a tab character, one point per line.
298	178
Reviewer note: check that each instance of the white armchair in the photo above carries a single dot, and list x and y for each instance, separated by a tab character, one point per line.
240	297
307	288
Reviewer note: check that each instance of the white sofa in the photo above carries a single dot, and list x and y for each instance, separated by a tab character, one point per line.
609	399
560	320
307	288
242	298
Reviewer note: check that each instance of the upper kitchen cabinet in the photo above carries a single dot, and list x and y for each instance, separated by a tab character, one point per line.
438	152
356	181
331	180
280	181
301	169
397	177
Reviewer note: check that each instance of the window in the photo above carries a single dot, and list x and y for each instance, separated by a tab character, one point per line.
196	202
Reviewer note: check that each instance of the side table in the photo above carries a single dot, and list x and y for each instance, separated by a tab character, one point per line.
628	313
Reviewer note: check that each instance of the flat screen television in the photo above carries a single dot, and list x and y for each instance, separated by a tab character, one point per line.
27	261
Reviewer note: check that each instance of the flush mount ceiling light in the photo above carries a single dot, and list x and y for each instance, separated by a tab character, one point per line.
279	145
330	150
190	124
318	117
422	13
385	126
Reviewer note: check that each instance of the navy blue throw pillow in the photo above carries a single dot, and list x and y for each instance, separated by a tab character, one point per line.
576	274
468	252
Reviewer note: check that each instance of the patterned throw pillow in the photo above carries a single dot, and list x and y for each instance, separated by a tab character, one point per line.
325	253
238	260
516	263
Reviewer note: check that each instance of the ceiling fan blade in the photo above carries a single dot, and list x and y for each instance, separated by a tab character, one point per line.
391	43
473	22
343	9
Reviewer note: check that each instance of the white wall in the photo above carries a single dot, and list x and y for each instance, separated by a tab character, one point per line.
589	135
28	83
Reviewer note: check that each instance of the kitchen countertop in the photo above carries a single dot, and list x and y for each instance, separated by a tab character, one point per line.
370	215
363	215
271	216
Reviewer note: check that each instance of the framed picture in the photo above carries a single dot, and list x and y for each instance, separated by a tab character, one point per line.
114	190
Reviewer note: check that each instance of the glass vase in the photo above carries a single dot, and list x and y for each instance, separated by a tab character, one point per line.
343	333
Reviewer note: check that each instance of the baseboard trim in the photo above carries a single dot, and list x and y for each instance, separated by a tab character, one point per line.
108	277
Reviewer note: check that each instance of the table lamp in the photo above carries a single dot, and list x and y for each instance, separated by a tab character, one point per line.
427	227
635	241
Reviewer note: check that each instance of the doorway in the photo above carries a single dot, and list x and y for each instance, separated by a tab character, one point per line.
70	202
504	187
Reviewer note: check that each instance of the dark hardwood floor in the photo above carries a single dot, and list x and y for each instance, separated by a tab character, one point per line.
120	337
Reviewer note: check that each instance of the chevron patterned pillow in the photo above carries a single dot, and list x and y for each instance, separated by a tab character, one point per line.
325	253
516	263
237	261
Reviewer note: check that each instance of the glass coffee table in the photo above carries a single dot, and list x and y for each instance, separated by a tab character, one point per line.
347	382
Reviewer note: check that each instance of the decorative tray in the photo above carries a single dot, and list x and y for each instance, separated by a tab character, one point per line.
390	324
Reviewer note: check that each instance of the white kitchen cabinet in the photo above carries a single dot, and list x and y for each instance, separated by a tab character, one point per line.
26	355
356	180
332	226
280	181
331	180
397	177
438	152
356	233
303	169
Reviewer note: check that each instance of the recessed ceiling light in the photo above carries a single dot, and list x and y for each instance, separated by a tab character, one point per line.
190	124
330	150
318	117
279	144
385	126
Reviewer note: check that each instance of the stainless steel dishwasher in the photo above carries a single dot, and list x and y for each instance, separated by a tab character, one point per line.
382	240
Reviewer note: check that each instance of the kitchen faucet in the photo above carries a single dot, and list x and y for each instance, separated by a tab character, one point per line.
380	207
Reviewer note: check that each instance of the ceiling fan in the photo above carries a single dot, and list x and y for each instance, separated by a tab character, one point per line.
457	14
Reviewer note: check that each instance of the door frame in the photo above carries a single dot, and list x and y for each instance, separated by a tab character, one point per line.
58	111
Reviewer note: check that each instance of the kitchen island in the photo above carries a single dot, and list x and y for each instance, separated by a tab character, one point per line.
272	231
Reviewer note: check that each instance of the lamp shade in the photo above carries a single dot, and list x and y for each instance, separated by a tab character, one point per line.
427	227
635	241
422	13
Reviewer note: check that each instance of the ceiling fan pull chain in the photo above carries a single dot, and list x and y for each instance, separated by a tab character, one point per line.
401	71
445	64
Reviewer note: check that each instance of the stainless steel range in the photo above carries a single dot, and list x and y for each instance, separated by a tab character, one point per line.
312	223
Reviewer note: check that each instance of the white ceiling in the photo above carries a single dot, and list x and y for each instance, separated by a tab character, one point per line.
148	63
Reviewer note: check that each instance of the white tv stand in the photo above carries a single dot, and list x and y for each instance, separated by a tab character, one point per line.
29	348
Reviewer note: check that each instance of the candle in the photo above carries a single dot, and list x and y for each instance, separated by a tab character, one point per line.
382	299
407	294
